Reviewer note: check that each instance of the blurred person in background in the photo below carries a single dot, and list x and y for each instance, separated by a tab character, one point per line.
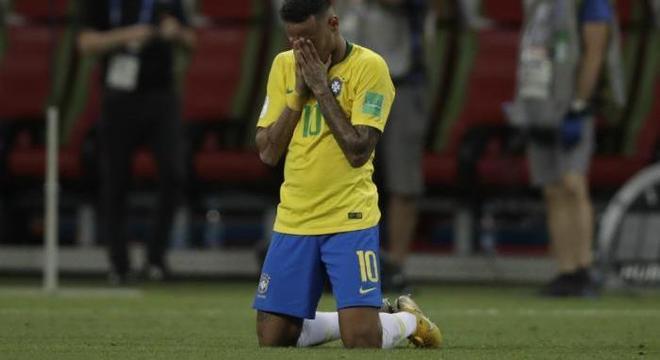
563	48
395	30
135	41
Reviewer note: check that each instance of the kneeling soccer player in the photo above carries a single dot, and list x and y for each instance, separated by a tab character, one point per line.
327	104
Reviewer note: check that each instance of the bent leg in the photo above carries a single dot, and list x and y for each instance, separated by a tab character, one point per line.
325	328
277	329
351	261
360	327
289	289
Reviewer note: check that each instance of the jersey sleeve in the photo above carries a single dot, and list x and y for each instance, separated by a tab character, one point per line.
374	95
275	94
596	11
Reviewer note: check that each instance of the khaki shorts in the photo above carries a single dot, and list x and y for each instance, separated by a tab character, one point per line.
403	141
548	164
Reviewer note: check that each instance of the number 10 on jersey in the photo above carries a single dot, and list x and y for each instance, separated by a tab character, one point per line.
312	123
368	265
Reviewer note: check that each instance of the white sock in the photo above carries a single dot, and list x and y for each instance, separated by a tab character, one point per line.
396	327
324	328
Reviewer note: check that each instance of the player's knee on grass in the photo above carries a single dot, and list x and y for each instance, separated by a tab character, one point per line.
360	327
276	330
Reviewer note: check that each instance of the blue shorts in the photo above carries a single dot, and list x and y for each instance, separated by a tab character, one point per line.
296	267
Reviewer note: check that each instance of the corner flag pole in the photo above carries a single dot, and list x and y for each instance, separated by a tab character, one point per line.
51	202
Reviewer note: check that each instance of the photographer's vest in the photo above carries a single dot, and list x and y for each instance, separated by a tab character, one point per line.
548	61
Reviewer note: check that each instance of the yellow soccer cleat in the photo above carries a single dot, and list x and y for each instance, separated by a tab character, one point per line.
428	334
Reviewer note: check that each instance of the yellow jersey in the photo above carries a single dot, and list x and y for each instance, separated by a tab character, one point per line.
322	193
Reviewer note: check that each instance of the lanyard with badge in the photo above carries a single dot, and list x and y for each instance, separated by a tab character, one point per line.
535	71
123	68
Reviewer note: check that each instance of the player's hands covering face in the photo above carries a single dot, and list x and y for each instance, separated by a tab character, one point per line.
314	70
301	87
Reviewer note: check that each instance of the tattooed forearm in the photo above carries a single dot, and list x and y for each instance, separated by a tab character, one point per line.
356	142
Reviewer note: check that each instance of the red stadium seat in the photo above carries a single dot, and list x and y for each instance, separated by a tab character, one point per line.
237	10
625	10
606	172
25	84
25	71
27	160
144	165
503	11
511	11
490	83
41	9
612	171
31	162
230	166
211	90
214	74
218	89
211	84
224	166
440	169
509	171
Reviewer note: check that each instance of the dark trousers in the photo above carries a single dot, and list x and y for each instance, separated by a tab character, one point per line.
127	121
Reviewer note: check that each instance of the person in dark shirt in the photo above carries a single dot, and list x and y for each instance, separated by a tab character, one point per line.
135	41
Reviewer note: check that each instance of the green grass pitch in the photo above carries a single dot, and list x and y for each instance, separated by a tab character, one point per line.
213	320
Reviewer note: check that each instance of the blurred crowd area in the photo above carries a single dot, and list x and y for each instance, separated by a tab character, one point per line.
473	162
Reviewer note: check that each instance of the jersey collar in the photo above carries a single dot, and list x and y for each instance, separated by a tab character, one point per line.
349	48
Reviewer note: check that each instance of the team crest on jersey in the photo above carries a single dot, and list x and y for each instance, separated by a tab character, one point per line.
335	86
263	284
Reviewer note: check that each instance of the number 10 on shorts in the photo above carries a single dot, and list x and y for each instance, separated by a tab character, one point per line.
368	265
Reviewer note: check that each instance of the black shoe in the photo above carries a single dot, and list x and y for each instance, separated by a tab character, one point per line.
579	283
587	284
562	285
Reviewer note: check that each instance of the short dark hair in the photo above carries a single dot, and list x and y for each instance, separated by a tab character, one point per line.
297	11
